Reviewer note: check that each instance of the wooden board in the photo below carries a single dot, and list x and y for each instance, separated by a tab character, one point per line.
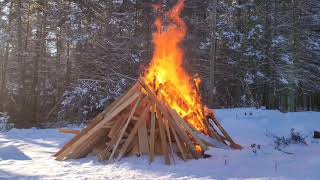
152	134
143	138
91	125
164	144
186	126
69	131
226	135
179	144
132	134
119	122
167	127
87	136
123	130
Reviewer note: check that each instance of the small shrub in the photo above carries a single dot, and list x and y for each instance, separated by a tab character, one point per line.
255	148
293	138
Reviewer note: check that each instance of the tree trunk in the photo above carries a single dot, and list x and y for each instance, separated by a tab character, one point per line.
4	76
22	63
5	64
68	68
270	64
213	53
38	83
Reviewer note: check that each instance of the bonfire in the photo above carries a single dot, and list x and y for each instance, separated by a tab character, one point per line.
162	114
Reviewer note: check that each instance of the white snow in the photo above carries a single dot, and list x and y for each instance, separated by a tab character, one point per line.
12	152
287	58
283	80
246	125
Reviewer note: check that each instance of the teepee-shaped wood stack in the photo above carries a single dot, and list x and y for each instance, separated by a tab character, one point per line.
139	123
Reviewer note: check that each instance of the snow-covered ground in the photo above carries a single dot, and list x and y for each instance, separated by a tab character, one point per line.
27	153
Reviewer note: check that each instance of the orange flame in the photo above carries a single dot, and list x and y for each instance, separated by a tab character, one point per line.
166	75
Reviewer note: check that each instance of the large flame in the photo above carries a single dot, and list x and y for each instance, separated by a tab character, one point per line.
166	75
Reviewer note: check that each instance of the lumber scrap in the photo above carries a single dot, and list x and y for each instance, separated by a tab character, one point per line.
224	132
166	123
88	147
124	128
69	131
106	151
152	133
210	141
164	145
143	138
114	134
65	155
132	134
214	133
186	126
180	147
96	120
119	121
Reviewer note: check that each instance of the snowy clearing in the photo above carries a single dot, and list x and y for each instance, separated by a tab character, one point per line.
27	153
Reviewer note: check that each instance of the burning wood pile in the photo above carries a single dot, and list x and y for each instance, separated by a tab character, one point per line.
162	114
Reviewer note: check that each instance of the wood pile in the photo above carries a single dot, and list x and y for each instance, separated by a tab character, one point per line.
139	123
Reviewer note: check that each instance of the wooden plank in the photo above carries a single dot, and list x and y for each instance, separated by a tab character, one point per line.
125	128
69	131
91	125
115	114
92	132
152	134
143	138
224	132
132	134
212	142
103	155
215	134
179	144
113	134
183	135
133	143
107	127
164	145
169	139
135	118
106	151
88	147
119	122
186	126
